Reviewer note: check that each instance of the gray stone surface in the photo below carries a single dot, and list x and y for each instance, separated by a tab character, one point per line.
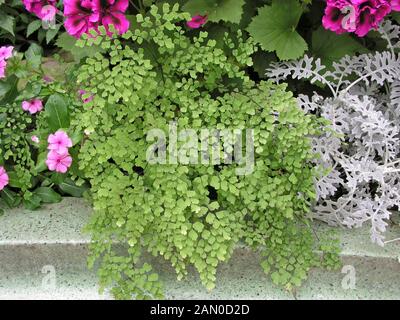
34	244
56	223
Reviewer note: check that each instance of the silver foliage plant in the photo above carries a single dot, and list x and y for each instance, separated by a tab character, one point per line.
359	153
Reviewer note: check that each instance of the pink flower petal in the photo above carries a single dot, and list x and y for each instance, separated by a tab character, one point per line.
3	178
6	52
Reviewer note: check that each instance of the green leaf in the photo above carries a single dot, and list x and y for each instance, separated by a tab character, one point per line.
51	33
41	162
198	226
217	10
34	55
69	187
396	16
67	43
57	178
76	137
7	23
274	28
261	61
153	277
33	203
292	178
47	195
8	90
192	235
14	180
331	47
57	112
33	26
11	198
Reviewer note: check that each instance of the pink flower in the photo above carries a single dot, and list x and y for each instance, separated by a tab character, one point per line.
32	106
6	52
47	79
85	15
59	142
82	93
35	139
358	16
59	162
43	9
395	5
3	65
3	178
197	22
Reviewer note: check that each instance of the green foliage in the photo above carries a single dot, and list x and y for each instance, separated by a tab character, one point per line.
19	27
331	47
190	214
67	43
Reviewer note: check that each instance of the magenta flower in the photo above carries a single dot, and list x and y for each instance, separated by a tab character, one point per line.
35	139
82	93
85	15
59	142
3	65
395	5
197	22
6	52
358	16
82	16
41	8
47	79
113	13
32	106
59	162
3	178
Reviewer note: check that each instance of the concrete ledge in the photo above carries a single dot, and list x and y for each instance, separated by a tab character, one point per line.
32	243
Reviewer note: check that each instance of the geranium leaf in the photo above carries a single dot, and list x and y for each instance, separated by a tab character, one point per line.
275	29
331	47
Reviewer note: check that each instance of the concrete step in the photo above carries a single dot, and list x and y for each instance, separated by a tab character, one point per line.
43	256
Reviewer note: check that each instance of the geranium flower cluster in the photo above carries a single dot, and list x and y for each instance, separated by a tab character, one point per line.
358	16
58	158
43	9
85	15
5	53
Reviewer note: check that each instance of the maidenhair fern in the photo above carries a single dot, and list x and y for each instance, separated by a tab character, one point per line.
192	214
359	154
